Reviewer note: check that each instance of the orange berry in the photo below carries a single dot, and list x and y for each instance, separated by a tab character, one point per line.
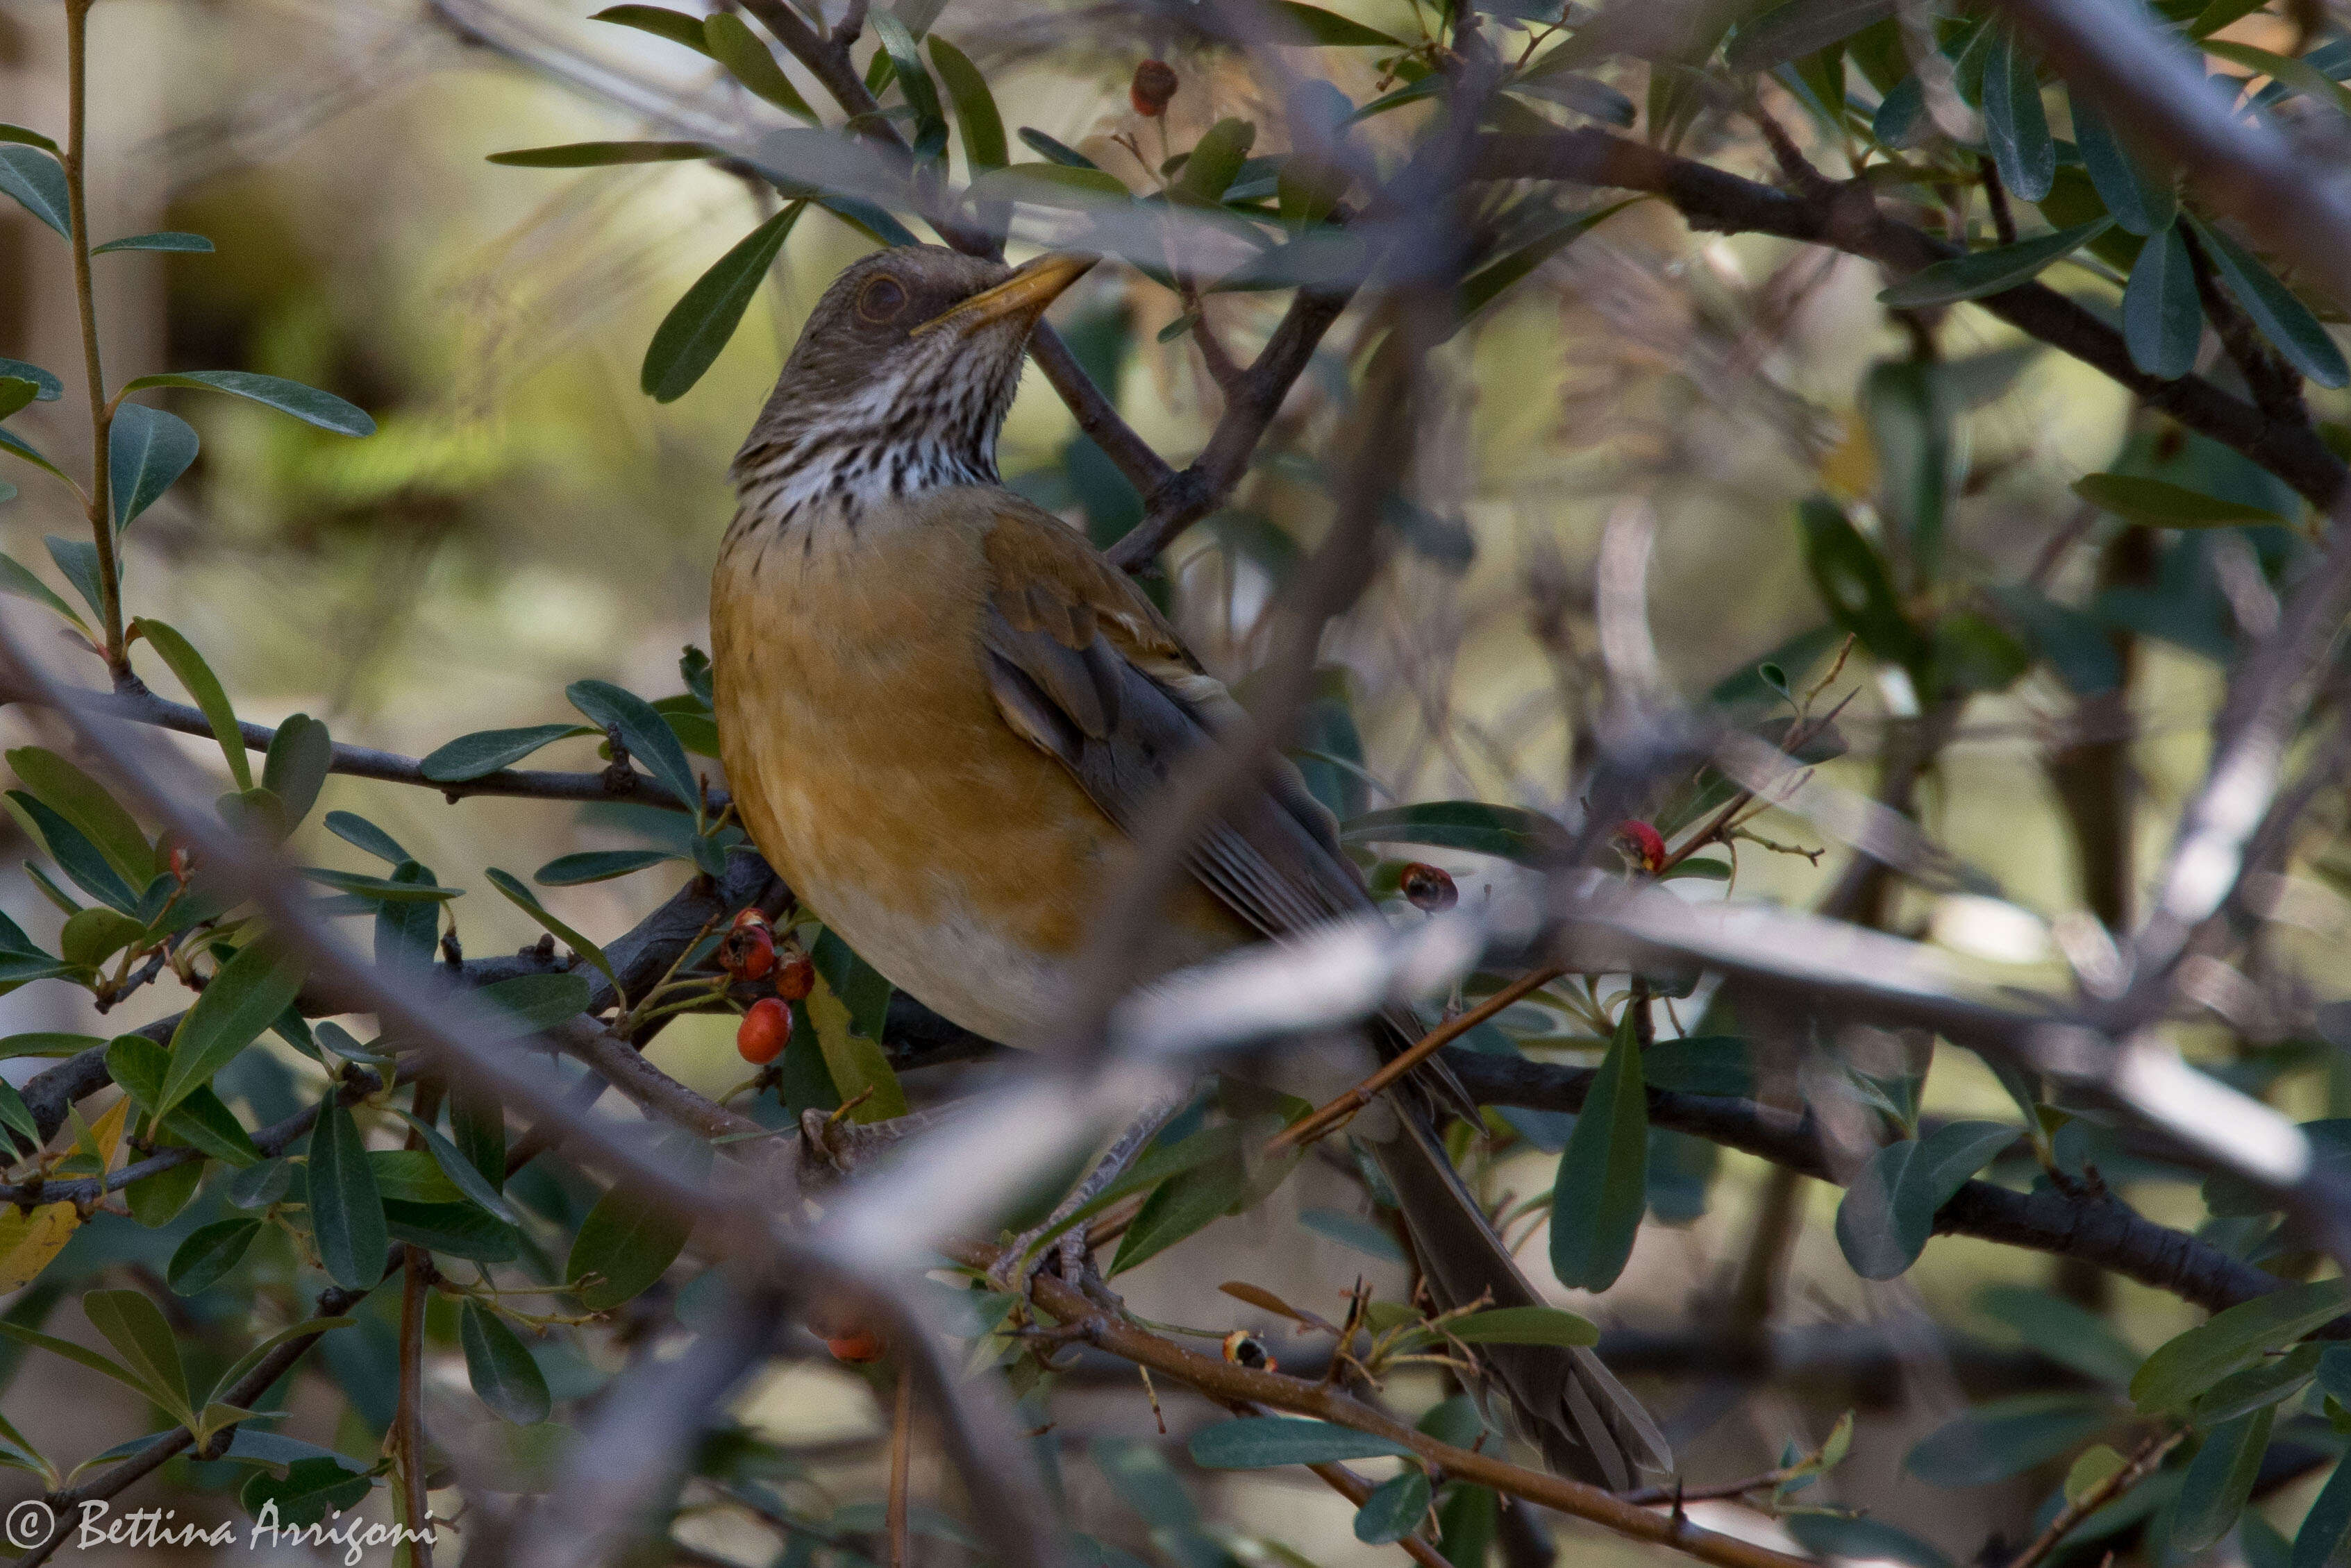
1243	1348
765	1031
1641	844
1427	888
1154	83
858	1345
796	979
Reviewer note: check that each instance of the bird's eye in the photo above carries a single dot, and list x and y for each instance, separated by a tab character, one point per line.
881	299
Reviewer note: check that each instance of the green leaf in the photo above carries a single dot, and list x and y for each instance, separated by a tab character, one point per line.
597	865
2007	1437
28	137
2163	319
650	740
459	1229
392	889
1525	1325
977	122
347	1217
147	451
161	240
601	154
2015	124
1832	1535
1888	1213
2162	504
84	802
1348	1230
1979	272
727	41
410	1175
921	95
48	387
2318	1543
17	579
309	404
524	899
1058	152
78	857
1481	287
295	768
1328	28
15	392
309	1491
2283	319
200	1119
355	829
11	441
1789	32
2186	1366
662	22
74	1352
1217	155
2142	201
38	181
2258	1387
17	1118
204	1259
484	751
139	1333
533	1002
1602	1187
243	999
461	1173
1854	585
1187	1201
699	324
1506	831
44	1043
625	1244
262	1186
1264	1442
2064	1331
477	1127
2219	1480
2300	75
1051	185
500	1366
77	559
1394	1508
197	678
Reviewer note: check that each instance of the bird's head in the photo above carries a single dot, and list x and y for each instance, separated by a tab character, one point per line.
901	378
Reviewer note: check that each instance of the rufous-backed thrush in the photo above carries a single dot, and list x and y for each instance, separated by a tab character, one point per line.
943	713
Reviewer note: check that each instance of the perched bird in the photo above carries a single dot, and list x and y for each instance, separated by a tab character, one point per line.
943	714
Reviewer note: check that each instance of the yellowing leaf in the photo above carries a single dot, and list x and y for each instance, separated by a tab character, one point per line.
855	1063
1849	472
27	1242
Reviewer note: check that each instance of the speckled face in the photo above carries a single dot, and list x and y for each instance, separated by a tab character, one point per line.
899	382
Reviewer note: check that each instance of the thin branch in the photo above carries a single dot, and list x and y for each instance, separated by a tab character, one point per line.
1713	199
138	704
408	1418
1225	1381
2149	1455
101	412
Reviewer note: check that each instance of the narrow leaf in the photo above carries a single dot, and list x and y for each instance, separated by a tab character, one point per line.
649	738
2142	201
2283	319
1263	1442
601	154
243	999
732	44
524	899
147	451
2163	319
38	181
662	22
1602	1190
347	1217
500	1366
161	240
1979	272
204	1259
596	866
2015	123
197	678
309	404
2162	504
699	324
977	122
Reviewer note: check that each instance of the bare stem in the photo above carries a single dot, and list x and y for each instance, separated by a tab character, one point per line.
409	1422
101	411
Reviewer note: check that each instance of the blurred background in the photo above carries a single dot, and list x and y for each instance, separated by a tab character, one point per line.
526	517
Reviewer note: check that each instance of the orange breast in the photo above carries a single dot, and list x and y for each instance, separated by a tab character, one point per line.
870	766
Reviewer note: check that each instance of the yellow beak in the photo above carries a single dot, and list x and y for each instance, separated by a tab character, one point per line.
1025	293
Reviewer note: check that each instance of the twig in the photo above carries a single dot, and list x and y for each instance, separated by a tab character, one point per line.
2148	1455
1227	1382
408	1418
1327	1118
101	412
1678	1495
901	1453
136	703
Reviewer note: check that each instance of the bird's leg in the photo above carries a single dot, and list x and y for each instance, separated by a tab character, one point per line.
1012	1266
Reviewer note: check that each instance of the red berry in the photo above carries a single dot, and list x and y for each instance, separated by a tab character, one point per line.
1427	888
859	1344
749	951
765	1031
184	862
796	979
1154	83
1641	844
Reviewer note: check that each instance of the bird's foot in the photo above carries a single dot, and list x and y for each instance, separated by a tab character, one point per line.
1014	1266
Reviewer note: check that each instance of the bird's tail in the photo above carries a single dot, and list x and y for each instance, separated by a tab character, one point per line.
1567	1403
